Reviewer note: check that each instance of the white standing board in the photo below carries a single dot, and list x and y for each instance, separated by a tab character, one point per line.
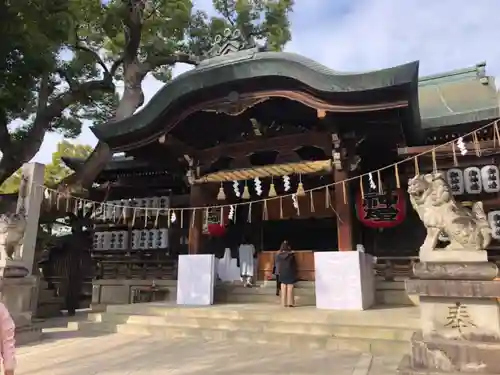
196	279
344	280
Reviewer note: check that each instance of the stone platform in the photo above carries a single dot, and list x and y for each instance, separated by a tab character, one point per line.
376	331
64	352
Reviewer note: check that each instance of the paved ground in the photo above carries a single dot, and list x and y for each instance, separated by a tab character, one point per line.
68	353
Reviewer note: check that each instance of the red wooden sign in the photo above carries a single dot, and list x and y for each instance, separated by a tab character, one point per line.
215	223
382	211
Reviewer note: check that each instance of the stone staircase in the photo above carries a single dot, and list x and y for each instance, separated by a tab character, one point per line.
391	293
49	304
377	331
263	292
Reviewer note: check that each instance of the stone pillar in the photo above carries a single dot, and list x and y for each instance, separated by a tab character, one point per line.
460	315
31	204
19	288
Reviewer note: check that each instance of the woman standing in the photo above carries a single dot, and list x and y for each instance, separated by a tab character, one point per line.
7	341
286	271
284	246
246	253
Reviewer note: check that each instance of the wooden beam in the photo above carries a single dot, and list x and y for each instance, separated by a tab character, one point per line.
343	207
279	144
487	148
176	145
425	165
196	223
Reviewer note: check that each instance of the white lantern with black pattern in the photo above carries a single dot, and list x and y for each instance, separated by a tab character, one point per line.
455	179
490	177
472	180
494	221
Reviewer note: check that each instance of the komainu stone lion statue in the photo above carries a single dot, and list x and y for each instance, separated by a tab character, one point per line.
431	197
12	228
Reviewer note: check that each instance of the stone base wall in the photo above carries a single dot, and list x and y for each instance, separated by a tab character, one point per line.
20	297
123	291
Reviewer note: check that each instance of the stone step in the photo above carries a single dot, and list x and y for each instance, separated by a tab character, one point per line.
395	298
46	294
272	284
253	295
374	332
262	290
389	285
401	317
292	340
48	310
269	298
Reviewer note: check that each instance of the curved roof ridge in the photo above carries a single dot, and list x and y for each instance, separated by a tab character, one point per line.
477	71
243	65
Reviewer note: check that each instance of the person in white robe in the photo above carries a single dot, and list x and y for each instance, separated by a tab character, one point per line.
246	253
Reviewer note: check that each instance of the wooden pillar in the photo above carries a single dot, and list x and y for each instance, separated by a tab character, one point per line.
344	213
196	224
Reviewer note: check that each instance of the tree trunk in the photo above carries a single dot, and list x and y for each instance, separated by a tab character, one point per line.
133	98
8	167
20	152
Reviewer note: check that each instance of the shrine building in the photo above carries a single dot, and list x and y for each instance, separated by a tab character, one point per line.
251	125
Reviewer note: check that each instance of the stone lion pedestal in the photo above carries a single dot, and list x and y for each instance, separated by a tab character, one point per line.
460	315
18	293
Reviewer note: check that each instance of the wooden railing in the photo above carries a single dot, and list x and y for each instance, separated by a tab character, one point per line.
126	267
123	265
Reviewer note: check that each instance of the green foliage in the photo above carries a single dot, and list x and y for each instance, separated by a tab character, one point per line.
56	170
32	32
62	57
167	28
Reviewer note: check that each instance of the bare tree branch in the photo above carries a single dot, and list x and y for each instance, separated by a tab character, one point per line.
153	11
78	45
43	94
64	75
227	14
133	30
5	139
96	56
178	57
115	66
80	92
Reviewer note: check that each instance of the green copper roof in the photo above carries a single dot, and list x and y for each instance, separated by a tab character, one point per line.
457	97
451	98
244	65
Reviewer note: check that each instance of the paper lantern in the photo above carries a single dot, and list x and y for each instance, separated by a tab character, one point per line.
455	178
472	180
216	230
494	221
490	178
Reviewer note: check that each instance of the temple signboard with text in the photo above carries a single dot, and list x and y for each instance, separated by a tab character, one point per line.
215	220
386	210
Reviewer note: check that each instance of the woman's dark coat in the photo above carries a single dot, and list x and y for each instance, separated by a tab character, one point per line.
286	267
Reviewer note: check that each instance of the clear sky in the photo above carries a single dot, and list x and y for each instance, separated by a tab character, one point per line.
358	35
